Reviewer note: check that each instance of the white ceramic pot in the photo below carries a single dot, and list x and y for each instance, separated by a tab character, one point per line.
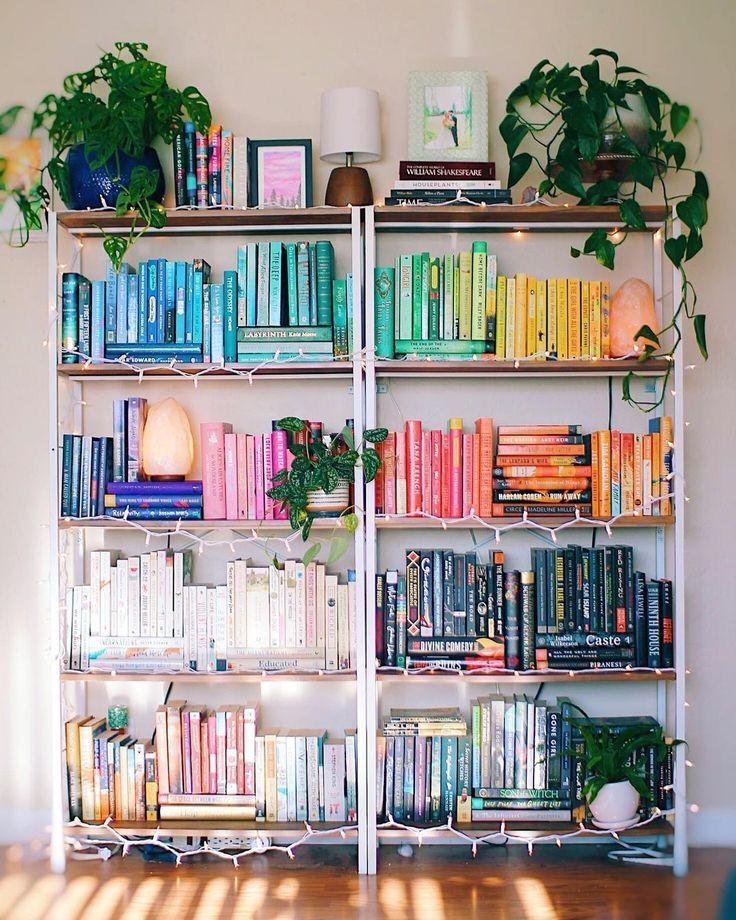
616	803
329	504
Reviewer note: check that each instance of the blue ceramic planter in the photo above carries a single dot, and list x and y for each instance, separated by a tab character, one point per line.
94	188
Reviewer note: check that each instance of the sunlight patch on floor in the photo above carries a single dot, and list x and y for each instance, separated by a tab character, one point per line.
106	900
534	899
392	898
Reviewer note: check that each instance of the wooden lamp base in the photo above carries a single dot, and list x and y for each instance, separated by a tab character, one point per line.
348	185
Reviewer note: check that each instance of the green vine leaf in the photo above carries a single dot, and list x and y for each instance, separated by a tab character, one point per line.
674	248
350	522
338	547
693	212
518	167
699	326
631	214
311	554
570	183
701	185
646	332
375	435
371	463
679	117
291	423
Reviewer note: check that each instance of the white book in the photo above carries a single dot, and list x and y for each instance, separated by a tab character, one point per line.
451	184
169	597
250	717
311	604
331	622
221	616
530	732
321	608
257	581
186	631
134	595
313	740
153	591
301	606
114	629
146	594
290	777
260	777
275	610
94	597
343	629
282	792
240	171
230	585
68	617
282	607
75	615
105	567
123	625
351	780
241	599
179	621
84	620
211	628
201	628
334	779
160	592
302	801
352	625
290	608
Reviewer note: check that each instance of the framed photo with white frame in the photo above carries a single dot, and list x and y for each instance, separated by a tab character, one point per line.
280	173
448	115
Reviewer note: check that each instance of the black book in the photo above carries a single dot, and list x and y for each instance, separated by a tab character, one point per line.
610	619
380	624
554	746
413	625
512	620
448	593
667	624
540	613
550	579
481	600
560	590
577	589
389	613
570	617
459	610
654	626
437	592
190	169
640	618
585	589
180	176
470	594
426	593
497	588
629	587
528	660
619	589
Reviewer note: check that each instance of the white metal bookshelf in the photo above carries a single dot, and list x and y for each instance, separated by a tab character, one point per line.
537	240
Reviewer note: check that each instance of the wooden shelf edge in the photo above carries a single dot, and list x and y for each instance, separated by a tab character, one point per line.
205	218
170	525
204	678
518	216
420	523
79	371
210	828
657	827
556	676
490	366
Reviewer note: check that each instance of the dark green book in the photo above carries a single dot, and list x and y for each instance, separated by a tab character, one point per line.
325	271
416	296
292	299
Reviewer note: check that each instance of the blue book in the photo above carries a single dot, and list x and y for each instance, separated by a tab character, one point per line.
251	290
105	467
302	283
155	514
275	281
181	303
201	277
84	317
291	291
161	301
217	323
142	303
189	305
264	263
85	477
132	309
151	290
76	468
69	316
143	353
97	332
121	331
119	445
230	317
170	301
449	778
312	285
94	479
206	324
66	476
111	308
242	269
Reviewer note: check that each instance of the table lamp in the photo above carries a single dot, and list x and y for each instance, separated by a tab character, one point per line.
350	133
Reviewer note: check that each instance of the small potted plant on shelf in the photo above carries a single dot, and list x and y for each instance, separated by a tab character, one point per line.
317	482
102	128
614	782
604	139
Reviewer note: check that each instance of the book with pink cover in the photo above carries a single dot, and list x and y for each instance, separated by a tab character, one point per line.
279	461
242	457
260	495
231	476
212	436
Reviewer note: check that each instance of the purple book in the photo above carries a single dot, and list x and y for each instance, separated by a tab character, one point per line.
186	487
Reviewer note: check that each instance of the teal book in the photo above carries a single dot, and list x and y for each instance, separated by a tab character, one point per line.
292	303
405	329
313	286
302	284
449	777
242	269
189	305
434	299
142	305
275	284
132	308
84	317
384	297
206	325
69	316
121	333
298	334
170	295
340	317
251	289
325	269
416	297
201	272
230	288
181	303
349	300
264	264
97	319
111	305
217	323
448	300
425	295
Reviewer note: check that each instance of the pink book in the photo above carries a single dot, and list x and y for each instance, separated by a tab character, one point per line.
212	746
445	494
249	750
231	753
231	476
195	734
475	500
456	467
401	470
467	473
212	436
436	472
239	728
186	745
279	461
251	452
427	471
389	474
267	474
242	457
413	466
260	496
204	740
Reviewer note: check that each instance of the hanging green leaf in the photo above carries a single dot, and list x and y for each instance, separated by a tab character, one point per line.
518	167
311	554
631	214
674	248
375	435
338	547
350	522
291	423
679	117
699	326
693	212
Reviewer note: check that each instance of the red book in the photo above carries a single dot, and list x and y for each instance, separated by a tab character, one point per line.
378	481
413	466
231	476
445	493
249	750
389	478
456	467
427	471
475	501
436	469
484	430
242	458
279	461
467	473
401	470
212	438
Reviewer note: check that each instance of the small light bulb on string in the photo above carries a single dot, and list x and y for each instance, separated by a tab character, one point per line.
688	763
694	808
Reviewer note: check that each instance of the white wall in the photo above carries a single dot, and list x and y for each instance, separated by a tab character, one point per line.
263	66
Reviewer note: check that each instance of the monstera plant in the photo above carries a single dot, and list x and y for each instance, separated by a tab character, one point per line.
604	138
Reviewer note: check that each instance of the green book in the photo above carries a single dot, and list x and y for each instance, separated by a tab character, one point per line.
405	328
264	260
292	301
448	330
231	314
302	283
384	311
325	270
349	304
464	295
434	299
275	281
416	296
425	295
440	347
285	334
478	289
339	310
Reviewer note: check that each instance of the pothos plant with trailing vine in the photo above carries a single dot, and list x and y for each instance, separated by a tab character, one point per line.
573	114
322	465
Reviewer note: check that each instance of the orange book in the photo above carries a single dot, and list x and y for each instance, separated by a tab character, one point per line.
605	319
595	320
573	318
539	439
389	474
436	463
595	463
504	430
413	435
666	462
530	472
604	472
401	471
656	484
615	473
173	738
542	484
484	431
445	494
585	319
522	450
467	473
456	467
540	460
627	473
646	473
638	490
475	498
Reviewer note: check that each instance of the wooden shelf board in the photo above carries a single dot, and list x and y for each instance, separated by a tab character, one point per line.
660	826
514	217
421	523
204	678
210	828
170	525
511	677
285	369
210	219
491	367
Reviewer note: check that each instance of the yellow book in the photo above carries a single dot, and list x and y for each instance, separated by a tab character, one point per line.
491	285
501	317
465	294
521	310
585	319
541	346
666	463
605	320
456	305
531	316
562	347
510	317
552	317
573	318
478	292
595	320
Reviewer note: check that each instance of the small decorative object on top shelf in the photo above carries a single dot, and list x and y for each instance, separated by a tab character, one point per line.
110	160
168	448
448	115
580	121
280	173
350	122
633	318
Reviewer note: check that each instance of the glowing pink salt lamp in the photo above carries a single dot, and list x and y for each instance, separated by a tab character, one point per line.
632	306
168	448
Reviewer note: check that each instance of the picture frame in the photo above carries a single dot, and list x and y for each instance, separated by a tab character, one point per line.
448	115
280	173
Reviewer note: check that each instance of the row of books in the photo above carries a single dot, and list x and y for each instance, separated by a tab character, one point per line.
210	170
458	304
209	765
438	182
576	608
281	296
141	613
520	762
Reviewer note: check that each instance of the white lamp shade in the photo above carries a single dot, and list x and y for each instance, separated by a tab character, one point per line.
350	122
168	448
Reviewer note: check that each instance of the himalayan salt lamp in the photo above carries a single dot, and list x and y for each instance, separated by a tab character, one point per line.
168	448
632	306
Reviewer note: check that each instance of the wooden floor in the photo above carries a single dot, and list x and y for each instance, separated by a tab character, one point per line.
500	884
